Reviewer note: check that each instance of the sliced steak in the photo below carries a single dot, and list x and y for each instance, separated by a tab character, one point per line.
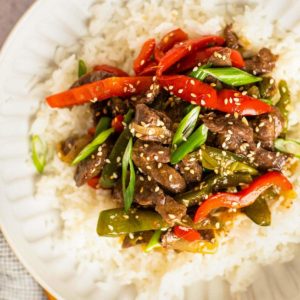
263	62
190	169
152	151
163	174
267	128
147	194
151	125
231	38
170	209
221	58
91	166
231	131
91	77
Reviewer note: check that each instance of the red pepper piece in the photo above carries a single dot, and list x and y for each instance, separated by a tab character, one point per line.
245	197
202	57
94	182
190	89
186	233
92	131
117	123
101	90
189	46
149	70
110	69
231	101
144	56
168	41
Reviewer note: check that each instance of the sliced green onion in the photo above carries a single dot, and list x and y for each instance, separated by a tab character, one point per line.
229	75
194	141
39	153
186	126
154	242
102	125
92	147
82	69
288	146
128	191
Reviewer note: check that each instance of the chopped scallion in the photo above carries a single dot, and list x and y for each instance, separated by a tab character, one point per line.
39	153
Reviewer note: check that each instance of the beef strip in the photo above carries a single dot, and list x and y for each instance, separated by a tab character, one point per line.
91	166
263	62
152	151
236	135
151	125
232	40
91	77
147	194
220	58
190	169
267	128
170	209
163	174
231	131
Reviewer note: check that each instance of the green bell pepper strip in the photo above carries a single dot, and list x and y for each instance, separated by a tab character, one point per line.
224	162
259	211
210	185
288	146
115	222
154	242
195	140
186	126
228	75
284	102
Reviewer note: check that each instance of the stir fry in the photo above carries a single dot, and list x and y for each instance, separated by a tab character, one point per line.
199	134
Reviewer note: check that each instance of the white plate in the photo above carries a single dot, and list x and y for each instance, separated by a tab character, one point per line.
28	50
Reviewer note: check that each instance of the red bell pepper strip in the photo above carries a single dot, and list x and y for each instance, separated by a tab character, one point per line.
202	57
189	46
149	70
231	101
94	182
110	69
117	123
190	89
245	197
186	233
168	41
101	90
144	56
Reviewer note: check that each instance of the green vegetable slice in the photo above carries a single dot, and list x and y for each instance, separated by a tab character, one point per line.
154	242
82	69
195	140
39	153
288	146
186	126
229	75
284	102
128	191
115	222
92	147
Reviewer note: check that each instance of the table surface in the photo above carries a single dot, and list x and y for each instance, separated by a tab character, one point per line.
15	282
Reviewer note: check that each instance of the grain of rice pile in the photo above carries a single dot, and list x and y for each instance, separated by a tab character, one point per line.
116	32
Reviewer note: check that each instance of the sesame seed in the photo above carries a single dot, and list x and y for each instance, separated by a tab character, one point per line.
159	165
138	135
155	157
142	62
170	177
180	91
118	159
236	115
131	236
225	101
202	102
110	227
171	216
171	87
261	124
142	178
149	178
244	120
107	161
193	95
192	82
193	102
195	69
156	189
192	171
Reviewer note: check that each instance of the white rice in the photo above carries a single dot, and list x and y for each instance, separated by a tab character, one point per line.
116	32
